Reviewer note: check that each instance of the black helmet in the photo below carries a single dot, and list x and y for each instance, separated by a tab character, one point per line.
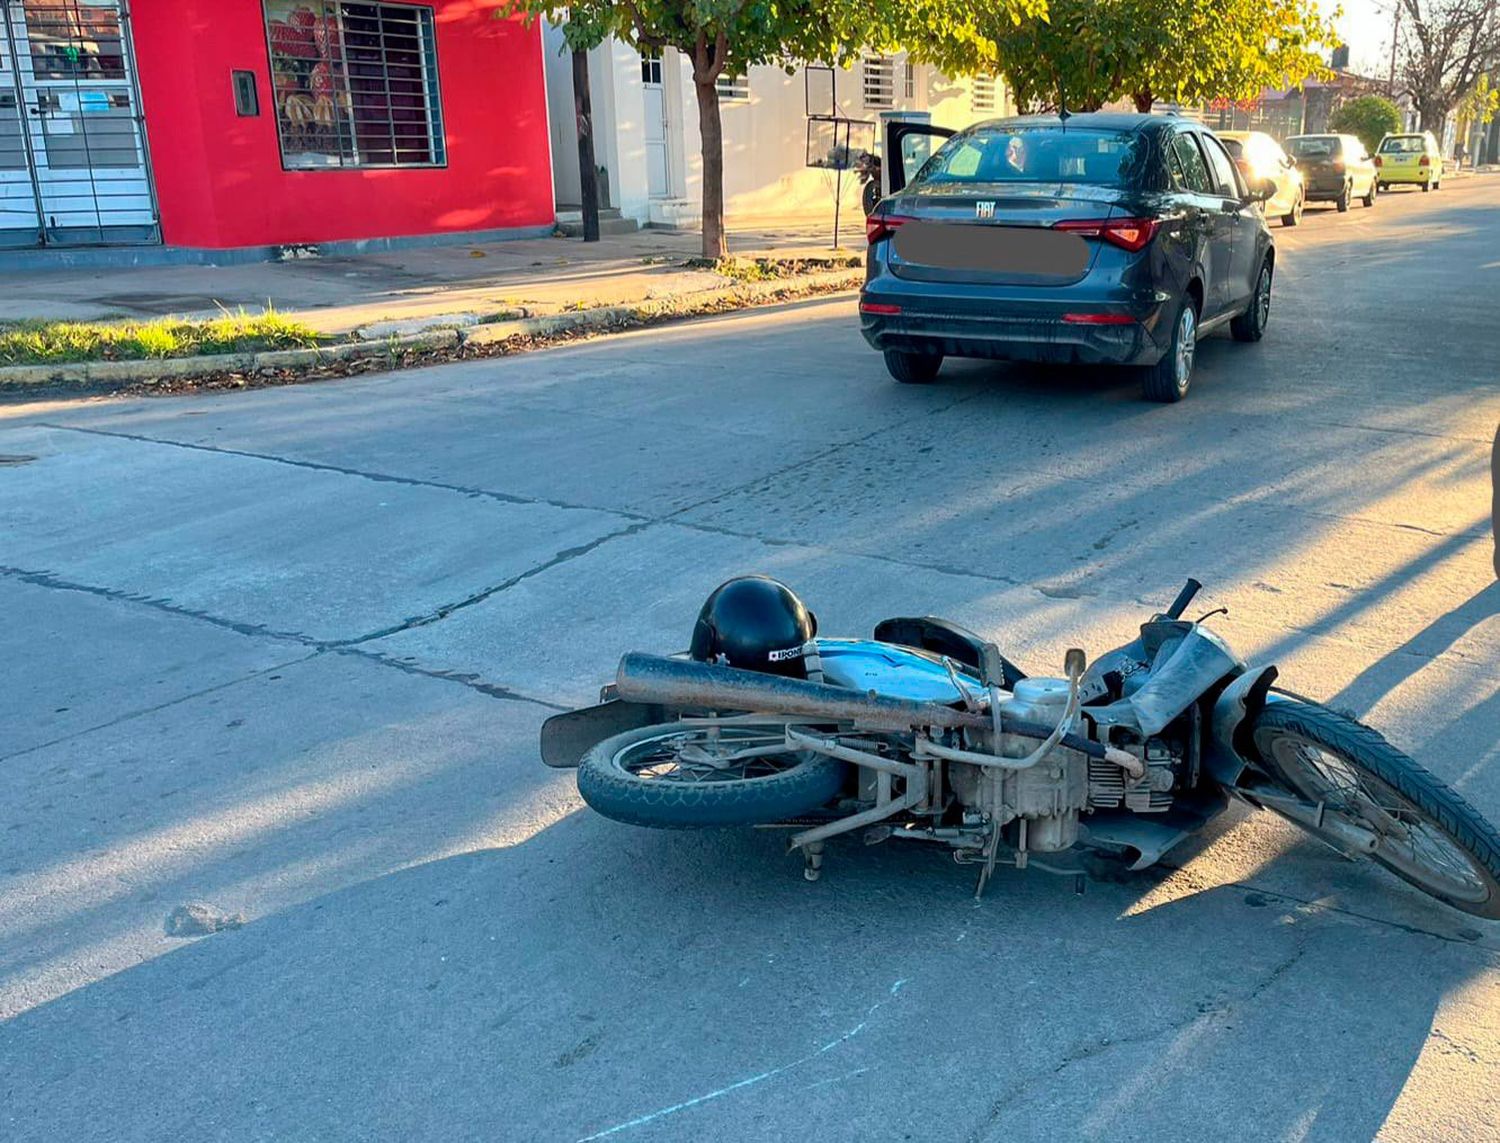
757	624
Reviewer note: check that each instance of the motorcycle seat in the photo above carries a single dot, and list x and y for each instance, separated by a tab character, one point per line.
944	637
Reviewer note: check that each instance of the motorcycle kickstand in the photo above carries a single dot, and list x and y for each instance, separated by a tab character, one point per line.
812	858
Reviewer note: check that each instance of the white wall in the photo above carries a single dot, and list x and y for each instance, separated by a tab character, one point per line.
619	139
558	68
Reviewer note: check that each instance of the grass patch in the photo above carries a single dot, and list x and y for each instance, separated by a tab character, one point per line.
772	269
58	342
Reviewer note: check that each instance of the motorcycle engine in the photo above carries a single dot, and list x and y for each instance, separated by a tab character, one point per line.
1048	796
1051	795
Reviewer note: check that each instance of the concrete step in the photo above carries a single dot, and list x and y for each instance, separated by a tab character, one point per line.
570	222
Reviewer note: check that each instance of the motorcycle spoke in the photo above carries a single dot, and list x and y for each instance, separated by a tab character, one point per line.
1408	838
712	755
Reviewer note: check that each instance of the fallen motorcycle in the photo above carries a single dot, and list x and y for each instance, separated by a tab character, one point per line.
928	733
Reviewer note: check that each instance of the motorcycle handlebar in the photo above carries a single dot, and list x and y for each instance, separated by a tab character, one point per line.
1184	597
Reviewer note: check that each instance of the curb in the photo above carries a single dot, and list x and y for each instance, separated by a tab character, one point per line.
598	319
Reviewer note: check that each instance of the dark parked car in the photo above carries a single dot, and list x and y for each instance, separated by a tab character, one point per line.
1336	168
1099	238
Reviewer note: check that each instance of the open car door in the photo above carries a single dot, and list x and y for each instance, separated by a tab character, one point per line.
907	146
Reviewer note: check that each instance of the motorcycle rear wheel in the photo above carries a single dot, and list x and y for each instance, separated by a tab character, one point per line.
679	776
1430	836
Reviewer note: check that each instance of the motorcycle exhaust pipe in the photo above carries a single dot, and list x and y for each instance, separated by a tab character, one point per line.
687	684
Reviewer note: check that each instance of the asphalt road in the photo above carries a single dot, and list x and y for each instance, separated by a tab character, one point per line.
286	653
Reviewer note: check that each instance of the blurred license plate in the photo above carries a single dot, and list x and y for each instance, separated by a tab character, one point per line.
1034	250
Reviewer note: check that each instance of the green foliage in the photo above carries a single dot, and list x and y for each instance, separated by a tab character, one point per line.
721	36
1371	117
44	343
1480	105
1091	52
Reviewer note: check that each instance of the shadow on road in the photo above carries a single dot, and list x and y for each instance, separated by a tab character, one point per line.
481	996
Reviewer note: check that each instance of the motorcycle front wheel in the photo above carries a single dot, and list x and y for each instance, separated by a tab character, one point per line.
680	776
1429	835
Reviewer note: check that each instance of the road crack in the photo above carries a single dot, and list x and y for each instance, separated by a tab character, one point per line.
1207	1012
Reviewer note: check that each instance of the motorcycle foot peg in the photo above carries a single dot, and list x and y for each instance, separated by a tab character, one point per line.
812	860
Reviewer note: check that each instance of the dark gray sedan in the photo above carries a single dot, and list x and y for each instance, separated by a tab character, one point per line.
1099	238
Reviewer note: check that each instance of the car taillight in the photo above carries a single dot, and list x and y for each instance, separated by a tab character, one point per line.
879	226
1425	161
1127	233
1338	166
1098	319
1378	163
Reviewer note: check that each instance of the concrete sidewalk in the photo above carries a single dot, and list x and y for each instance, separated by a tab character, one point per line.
527	277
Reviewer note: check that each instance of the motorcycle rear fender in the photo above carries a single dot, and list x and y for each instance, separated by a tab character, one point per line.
566	738
1226	753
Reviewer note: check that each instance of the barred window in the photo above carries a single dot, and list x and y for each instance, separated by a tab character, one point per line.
909	87
984	93
734	87
879	82
355	85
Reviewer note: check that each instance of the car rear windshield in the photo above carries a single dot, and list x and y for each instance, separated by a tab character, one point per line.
1313	146
1403	145
999	153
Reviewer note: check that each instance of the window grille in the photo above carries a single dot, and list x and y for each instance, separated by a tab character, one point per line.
354	84
909	84
984	93
734	87
879	82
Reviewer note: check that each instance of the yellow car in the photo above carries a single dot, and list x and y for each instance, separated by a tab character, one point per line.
1413	158
1259	156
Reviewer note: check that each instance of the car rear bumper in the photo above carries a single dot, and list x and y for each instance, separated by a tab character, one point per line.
1415	177
1325	188
1045	335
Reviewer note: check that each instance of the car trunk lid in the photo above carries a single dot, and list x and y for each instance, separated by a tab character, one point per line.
996	233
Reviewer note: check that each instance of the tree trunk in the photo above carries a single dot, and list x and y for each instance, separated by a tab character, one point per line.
1433	119
588	171
711	131
1143	101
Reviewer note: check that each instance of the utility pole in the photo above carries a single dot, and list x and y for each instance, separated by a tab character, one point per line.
1390	85
588	171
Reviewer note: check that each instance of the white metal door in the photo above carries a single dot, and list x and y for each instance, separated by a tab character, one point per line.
20	224
658	168
70	67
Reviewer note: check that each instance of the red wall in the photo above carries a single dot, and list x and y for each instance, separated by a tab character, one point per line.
219	178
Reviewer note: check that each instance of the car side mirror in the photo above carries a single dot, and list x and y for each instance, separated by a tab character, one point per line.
1261	190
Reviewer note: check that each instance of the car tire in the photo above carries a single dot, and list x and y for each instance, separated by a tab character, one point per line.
1426	187
1295	217
1167	381
912	368
1369	199
1438	185
1251	325
1344	196
1383	187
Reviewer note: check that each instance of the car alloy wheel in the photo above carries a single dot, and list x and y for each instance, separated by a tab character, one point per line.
1187	345
1263	297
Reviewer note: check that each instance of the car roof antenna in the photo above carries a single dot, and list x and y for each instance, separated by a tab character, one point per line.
1063	113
